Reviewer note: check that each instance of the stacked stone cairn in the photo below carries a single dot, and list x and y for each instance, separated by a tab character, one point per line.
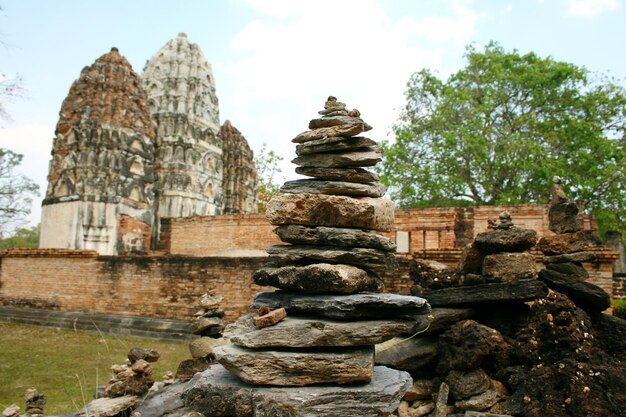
208	323
133	377
35	402
565	253
323	323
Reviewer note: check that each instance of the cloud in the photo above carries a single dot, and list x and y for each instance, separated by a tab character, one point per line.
590	8
294	54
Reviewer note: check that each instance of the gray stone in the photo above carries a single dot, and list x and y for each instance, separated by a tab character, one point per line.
366	157
163	402
584	294
569	268
334	145
333	188
440	319
368	258
149	355
331	210
108	407
570	257
319	278
478	402
355	306
217	393
465	384
563	217
509	266
188	368
334	236
346	130
514	239
297	368
296	332
422	389
200	325
497	292
563	243
203	346
329	121
406	353
441	405
359	175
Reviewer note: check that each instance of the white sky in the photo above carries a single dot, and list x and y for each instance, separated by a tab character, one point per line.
276	61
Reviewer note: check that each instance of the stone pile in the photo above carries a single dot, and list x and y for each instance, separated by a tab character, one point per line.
133	377
329	275
208	323
565	253
11	411
35	402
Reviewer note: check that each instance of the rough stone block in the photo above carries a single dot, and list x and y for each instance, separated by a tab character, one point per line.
503	267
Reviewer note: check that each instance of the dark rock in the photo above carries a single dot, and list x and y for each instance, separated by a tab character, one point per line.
354	306
202	324
300	332
433	275
422	389
334	144
334	236
405	353
359	175
509	266
368	258
218	393
331	210
563	243
366	157
570	257
188	368
610	333
514	239
319	278
330	121
471	261
149	355
346	130
297	368
478	402
569	268
215	331
465	384
440	319
468	345
498	292
584	294
563	217
333	188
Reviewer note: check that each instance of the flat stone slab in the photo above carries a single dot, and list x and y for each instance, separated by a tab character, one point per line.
366	157
297	368
355	306
108	407
563	243
301	332
368	258
331	210
218	393
406	353
497	292
442	318
338	120
584	294
345	130
334	236
334	145
319	278
570	257
514	239
333	188
339	174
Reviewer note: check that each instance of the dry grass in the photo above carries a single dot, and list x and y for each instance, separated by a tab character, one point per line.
67	365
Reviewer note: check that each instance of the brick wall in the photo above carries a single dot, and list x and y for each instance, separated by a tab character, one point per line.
156	286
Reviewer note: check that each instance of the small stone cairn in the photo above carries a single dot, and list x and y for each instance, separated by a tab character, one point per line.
135	376
329	311
565	253
35	402
208	323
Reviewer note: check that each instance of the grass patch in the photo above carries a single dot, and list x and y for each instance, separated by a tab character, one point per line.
619	308
67	365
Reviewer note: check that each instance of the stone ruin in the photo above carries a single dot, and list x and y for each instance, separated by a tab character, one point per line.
130	150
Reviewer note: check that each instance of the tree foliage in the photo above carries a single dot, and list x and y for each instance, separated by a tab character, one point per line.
16	192
22	238
497	131
269	175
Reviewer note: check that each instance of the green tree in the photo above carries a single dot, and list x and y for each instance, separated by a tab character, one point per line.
22	238
16	193
269	175
497	131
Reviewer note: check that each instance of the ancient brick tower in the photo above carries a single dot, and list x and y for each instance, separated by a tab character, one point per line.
188	161
240	176
101	176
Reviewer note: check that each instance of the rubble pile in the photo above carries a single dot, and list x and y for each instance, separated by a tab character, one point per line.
133	377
